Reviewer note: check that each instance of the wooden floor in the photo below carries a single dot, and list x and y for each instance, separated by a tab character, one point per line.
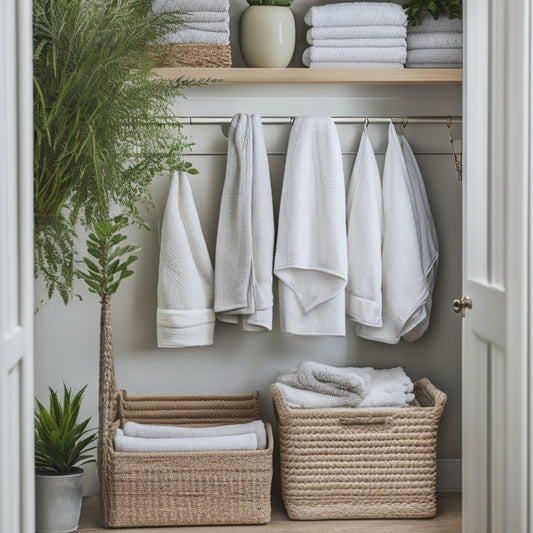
448	520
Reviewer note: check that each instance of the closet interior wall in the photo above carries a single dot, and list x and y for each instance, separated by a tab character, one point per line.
67	337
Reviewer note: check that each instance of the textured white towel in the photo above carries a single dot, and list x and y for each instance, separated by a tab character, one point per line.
356	14
437	55
185	6
429	24
443	39
206	26
132	429
405	287
434	65
185	315
347	64
315	400
359	43
187	36
327	379
371	55
205	16
356	32
427	236
364	209
311	257
193	444
245	237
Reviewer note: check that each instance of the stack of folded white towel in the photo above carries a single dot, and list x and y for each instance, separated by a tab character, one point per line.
200	21
315	385
356	35
145	438
435	43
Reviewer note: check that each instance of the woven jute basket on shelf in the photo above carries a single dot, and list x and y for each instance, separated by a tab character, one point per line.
180	488
360	463
192	55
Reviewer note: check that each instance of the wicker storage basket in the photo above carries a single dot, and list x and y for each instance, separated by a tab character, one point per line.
360	463
192	55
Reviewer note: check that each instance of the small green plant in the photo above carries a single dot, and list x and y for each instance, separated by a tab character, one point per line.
61	443
416	10
283	3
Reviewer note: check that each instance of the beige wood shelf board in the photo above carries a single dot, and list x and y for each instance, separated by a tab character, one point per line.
404	76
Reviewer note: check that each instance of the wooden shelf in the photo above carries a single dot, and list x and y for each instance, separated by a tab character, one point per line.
405	76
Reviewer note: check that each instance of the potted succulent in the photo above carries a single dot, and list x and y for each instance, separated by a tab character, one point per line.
267	33
416	10
62	446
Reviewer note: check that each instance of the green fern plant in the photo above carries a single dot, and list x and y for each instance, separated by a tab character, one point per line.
283	3
416	10
61	443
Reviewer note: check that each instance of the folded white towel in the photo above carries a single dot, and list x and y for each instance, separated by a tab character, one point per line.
205	16
390	379
186	36
355	32
353	64
429	24
443	39
185	315
315	400
434	65
132	429
185	6
311	256
327	379
245	237
405	287
193	444
364	207
427	236
438	55
371	55
359	43
356	14
206	26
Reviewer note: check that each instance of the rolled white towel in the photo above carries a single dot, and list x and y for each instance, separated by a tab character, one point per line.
390	380
429	24
356	32
205	16
353	64
186	6
186	36
206	26
380	398
437	55
372	55
330	380
315	400
123	443
435	65
442	39
359	43
133	429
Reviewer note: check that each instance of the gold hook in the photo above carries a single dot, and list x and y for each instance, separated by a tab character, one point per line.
457	158
403	124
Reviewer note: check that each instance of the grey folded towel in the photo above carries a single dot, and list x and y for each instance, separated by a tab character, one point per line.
373	55
354	64
435	65
187	36
429	24
440	39
437	55
186	6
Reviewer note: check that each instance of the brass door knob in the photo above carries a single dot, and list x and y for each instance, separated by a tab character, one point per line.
460	306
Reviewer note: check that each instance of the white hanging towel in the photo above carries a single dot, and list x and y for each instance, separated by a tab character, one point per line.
364	211
185	315
311	256
405	286
428	237
245	237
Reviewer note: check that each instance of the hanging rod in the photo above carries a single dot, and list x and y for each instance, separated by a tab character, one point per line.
199	120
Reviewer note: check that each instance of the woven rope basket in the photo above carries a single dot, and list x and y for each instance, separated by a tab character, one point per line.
179	488
192	55
360	463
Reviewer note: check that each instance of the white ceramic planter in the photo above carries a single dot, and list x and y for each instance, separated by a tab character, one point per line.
58	502
267	36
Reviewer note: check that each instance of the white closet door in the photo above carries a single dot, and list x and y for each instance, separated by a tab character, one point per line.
16	269
496	267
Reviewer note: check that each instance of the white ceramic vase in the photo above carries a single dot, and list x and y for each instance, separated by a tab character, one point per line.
267	36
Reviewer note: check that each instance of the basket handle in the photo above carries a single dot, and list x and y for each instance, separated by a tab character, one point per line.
368	420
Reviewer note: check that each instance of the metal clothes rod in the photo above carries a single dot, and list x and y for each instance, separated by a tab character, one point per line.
338	120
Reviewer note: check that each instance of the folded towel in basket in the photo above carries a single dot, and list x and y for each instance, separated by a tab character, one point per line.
315	400
442	39
356	14
188	36
355	32
150	431
372	55
123	443
185	6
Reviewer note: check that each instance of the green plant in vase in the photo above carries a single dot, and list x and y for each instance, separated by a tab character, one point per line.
416	10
